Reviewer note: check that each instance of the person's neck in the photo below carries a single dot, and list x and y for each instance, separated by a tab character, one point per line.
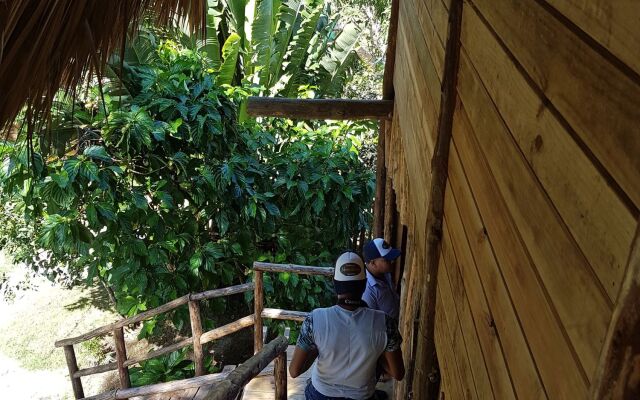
348	307
377	275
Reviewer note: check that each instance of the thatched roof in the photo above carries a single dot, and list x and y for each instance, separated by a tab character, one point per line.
46	45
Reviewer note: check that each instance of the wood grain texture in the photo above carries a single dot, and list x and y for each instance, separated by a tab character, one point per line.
597	218
561	372
471	300
503	318
600	102
613	24
227	329
292	268
574	290
457	307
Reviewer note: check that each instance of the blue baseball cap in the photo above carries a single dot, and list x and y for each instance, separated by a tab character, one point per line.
379	248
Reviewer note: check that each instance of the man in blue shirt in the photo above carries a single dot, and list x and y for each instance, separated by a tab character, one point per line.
379	293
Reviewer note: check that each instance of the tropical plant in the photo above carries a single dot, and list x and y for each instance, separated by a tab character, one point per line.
174	195
170	367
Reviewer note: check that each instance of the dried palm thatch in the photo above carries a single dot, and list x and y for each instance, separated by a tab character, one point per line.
48	45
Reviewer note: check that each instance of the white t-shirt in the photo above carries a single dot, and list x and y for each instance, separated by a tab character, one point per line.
349	344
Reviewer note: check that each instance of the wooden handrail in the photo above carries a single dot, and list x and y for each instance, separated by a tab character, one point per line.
289	315
245	287
229	383
319	108
238	378
293	268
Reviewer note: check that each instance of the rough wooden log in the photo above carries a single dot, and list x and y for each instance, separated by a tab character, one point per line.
236	380
289	315
210	294
428	388
95	370
280	376
258	304
245	287
381	179
159	352
72	364
390	62
196	333
227	329
121	358
319	108
165	387
618	373
127	321
292	268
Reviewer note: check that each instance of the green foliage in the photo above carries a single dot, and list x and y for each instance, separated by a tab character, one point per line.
170	367
175	195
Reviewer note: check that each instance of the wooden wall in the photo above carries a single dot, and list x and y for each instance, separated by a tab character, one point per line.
542	196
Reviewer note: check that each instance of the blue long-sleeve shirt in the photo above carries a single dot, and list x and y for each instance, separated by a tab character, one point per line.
379	295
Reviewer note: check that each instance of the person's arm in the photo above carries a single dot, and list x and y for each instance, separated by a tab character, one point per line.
306	350
301	361
393	364
391	360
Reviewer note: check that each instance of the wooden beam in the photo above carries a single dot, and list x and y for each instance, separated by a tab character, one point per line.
280	375
210	294
390	61
293	268
258	305
319	108
427	359
196	334
288	315
121	358
381	179
227	329
72	364
236	380
618	372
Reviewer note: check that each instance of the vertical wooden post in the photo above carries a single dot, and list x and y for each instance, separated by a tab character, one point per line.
280	372
258	304
121	357
618	372
196	332
426	358
72	364
381	178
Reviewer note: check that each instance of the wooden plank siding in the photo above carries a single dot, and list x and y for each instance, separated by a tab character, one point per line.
543	192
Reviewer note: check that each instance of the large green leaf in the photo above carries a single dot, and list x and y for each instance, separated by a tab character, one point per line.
340	59
230	52
262	38
299	45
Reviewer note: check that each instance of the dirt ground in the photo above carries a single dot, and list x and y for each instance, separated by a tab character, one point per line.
30	366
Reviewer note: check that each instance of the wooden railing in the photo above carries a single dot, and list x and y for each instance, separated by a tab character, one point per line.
227	383
122	364
258	300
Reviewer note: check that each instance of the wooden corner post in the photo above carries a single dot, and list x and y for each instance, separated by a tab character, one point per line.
121	358
425	383
72	364
618	372
258	305
196	333
280	372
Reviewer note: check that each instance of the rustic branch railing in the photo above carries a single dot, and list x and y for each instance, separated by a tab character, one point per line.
229	383
274	313
123	363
